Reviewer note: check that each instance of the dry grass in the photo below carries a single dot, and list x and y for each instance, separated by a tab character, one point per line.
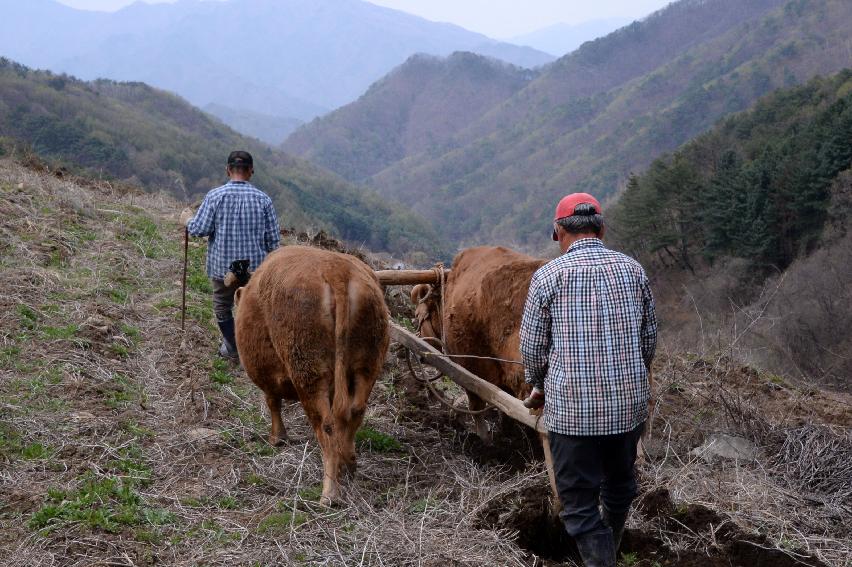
96	388
124	442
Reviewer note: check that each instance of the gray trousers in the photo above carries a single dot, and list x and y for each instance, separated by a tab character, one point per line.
592	471
223	300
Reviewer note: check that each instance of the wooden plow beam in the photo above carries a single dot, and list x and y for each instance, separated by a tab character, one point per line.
490	393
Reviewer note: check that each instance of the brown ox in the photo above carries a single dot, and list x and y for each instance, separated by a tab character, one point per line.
312	326
484	302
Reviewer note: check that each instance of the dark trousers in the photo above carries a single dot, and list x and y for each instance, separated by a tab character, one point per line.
594	470
223	300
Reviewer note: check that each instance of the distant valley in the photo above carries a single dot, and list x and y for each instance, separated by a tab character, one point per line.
286	59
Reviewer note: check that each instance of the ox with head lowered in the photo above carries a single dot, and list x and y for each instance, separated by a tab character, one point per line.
313	327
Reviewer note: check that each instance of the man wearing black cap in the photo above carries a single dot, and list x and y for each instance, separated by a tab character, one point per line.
240	223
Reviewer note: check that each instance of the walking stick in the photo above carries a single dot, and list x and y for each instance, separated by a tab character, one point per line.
183	283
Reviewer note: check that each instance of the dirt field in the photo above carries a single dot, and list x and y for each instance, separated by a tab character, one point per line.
124	441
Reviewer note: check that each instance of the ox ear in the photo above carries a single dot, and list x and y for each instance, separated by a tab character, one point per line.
420	292
237	295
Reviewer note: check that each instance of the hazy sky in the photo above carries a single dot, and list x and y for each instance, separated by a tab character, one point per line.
496	18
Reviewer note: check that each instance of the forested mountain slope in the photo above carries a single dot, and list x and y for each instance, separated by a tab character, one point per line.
610	107
419	107
132	132
750	222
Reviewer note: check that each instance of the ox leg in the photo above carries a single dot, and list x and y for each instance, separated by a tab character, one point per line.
480	426
318	409
278	434
358	406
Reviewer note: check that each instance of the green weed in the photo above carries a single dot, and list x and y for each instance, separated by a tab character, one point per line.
375	441
197	281
35	452
9	355
131	464
105	503
254	480
165	304
118	295
10	441
311	493
144	233
420	506
227	503
280	522
136	430
249	417
122	394
221	374
29	317
120	350
131	332
60	333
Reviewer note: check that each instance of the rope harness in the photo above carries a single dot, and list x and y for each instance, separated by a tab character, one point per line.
429	382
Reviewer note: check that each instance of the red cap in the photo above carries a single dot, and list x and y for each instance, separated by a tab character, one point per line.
566	207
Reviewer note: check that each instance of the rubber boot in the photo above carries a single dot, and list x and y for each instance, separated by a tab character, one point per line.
596	548
228	348
616	523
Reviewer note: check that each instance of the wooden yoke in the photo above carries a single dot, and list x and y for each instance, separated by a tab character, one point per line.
409	277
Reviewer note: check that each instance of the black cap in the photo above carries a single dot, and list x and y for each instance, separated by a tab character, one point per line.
240	158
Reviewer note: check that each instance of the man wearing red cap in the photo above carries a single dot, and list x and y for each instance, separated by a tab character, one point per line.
588	337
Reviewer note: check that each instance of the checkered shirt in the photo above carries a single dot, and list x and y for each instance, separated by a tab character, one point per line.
240	223
588	335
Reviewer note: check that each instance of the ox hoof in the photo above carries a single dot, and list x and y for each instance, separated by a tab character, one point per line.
278	441
329	501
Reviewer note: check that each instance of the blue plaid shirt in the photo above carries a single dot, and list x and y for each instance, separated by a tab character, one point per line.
588	336
241	224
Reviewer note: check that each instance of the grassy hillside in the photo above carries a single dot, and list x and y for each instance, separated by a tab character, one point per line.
132	132
757	211
611	107
419	107
122	437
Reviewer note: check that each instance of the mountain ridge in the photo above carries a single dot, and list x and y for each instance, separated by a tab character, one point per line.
594	116
419	106
289	58
563	38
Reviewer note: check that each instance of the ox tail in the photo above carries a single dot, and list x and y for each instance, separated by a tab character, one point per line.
340	402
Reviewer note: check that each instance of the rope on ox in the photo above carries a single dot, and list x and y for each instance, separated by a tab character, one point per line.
518	362
429	382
